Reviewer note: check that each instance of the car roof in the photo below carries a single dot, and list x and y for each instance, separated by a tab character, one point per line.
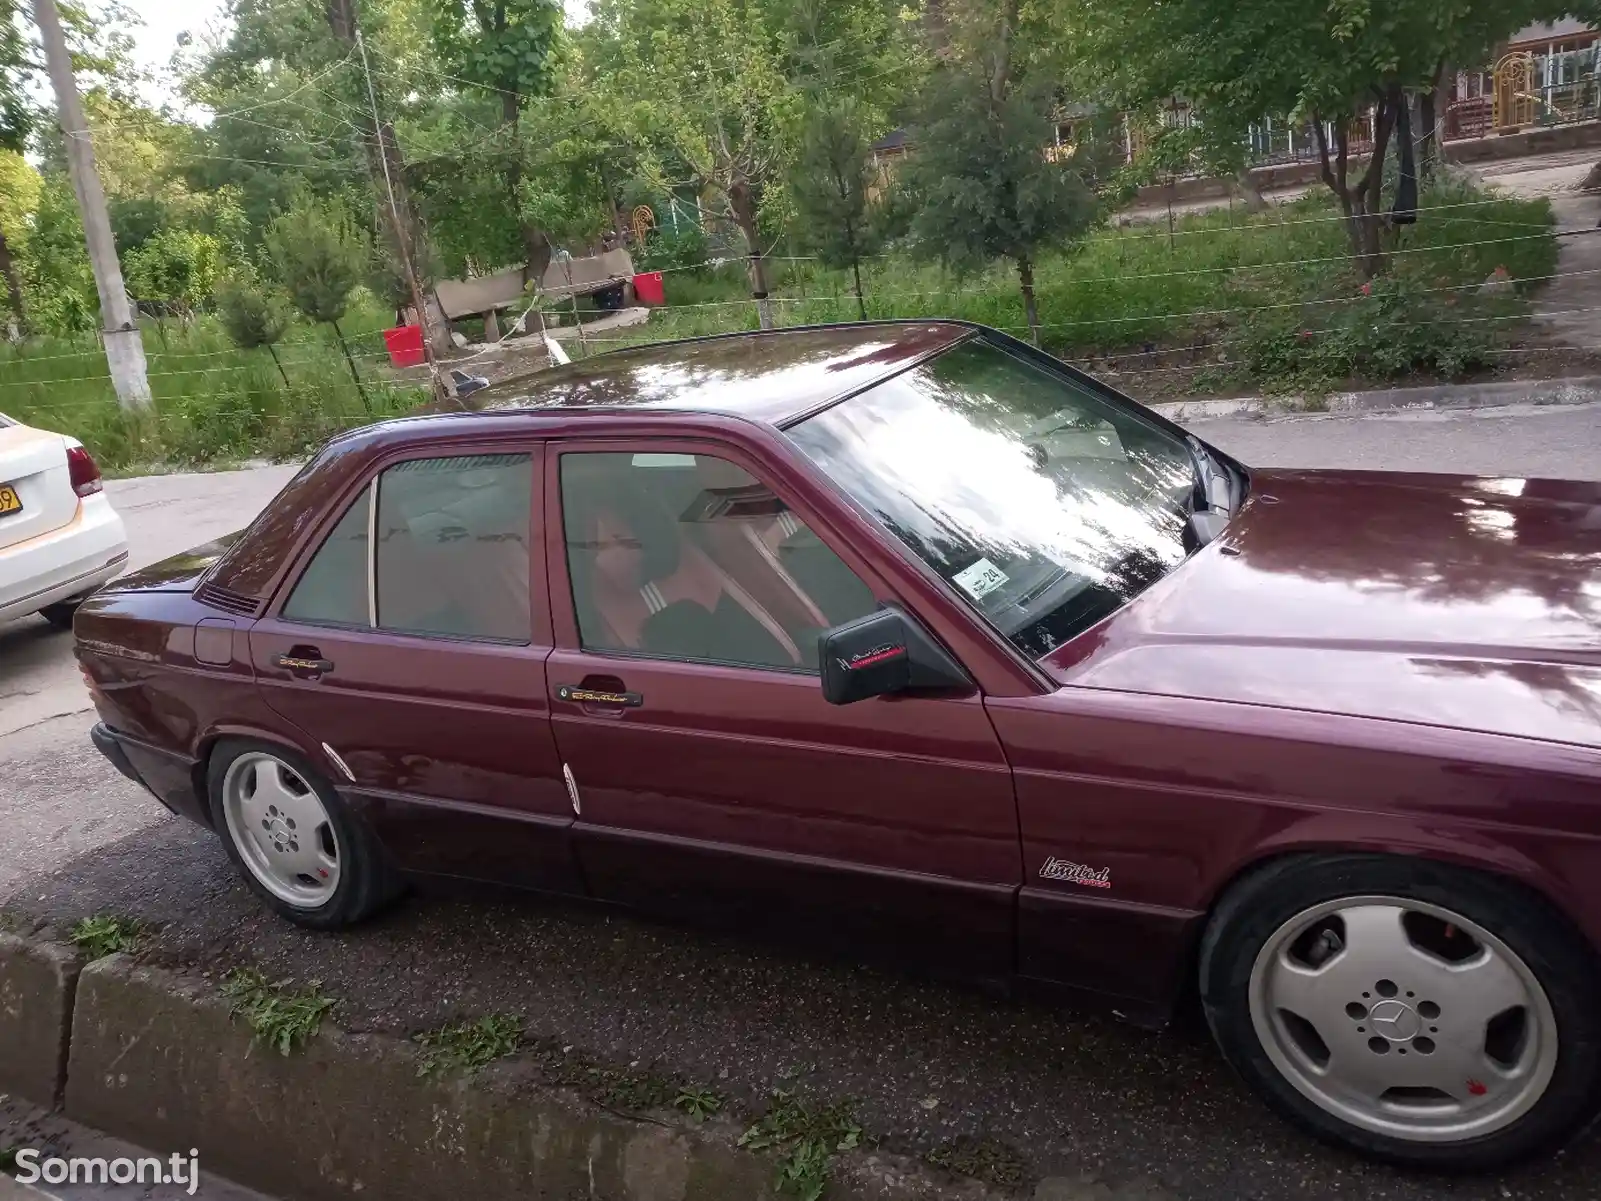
773	376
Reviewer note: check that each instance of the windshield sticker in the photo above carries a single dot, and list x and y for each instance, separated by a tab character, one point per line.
979	580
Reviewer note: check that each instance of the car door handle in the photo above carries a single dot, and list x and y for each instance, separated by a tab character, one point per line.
604	698
305	662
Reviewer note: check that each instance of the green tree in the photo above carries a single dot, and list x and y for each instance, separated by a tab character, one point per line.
508	47
178	268
254	319
1238	61
711	90
829	184
56	273
320	257
981	187
17	118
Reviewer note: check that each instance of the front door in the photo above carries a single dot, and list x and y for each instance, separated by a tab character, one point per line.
410	651
710	774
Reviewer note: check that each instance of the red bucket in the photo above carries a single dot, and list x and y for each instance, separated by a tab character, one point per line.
648	289
405	345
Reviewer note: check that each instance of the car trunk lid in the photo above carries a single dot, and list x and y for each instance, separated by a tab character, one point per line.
33	466
180	573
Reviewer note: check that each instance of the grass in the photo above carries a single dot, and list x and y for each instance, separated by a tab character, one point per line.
105	935
279	1015
1226	302
1220	283
214	403
469	1046
806	1140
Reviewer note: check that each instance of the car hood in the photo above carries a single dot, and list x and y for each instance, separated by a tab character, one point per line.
1455	601
181	573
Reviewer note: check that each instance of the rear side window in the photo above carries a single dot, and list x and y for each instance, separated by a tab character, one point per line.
452	539
453	547
333	589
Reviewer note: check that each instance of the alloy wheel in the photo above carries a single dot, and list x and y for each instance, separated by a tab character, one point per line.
1403	1018
281	830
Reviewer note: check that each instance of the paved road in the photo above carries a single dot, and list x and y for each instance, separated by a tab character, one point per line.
1130	1116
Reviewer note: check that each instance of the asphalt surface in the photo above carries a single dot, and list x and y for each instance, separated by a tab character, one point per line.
1034	1091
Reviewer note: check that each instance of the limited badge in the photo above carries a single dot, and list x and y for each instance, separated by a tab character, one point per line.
1076	873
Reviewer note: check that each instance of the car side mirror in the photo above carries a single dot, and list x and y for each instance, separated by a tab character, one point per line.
883	654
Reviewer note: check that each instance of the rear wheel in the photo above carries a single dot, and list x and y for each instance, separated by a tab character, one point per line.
1413	1011
298	845
61	613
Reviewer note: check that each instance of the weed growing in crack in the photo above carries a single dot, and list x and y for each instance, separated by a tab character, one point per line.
468	1046
698	1103
806	1141
106	934
992	1162
280	1016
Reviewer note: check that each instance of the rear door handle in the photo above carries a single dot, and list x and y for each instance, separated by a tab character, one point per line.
305	662
601	697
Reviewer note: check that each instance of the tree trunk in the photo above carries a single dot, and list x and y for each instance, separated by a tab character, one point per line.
1255	202
273	351
1430	136
1025	277
861	305
743	201
536	243
1361	204
366	401
382	150
13	282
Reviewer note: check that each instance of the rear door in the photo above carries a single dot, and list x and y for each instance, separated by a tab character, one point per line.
410	650
36	495
713	778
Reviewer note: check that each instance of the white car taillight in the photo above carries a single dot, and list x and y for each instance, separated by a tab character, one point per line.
83	471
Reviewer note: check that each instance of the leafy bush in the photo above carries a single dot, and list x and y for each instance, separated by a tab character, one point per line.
1392	328
667	249
252	317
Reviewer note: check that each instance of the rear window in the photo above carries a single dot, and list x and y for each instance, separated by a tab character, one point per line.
251	565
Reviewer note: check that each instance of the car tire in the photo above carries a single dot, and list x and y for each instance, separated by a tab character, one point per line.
1253	940
61	613
364	882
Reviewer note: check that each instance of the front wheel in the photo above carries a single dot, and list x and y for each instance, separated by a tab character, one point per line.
298	845
1415	1012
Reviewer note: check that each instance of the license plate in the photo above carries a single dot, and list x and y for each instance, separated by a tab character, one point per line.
10	502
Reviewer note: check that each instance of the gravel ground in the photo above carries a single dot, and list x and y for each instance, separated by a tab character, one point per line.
1037	1090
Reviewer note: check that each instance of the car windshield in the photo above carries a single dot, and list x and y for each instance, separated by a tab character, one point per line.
1044	504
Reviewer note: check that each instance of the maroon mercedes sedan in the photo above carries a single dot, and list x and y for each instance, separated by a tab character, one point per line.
909	635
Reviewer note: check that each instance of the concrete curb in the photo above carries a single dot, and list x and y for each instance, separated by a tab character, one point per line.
1577	390
154	1057
38	982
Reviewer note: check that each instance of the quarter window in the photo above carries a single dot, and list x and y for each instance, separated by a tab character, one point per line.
333	588
452	552
690	557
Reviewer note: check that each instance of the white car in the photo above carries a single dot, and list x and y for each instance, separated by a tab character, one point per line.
60	539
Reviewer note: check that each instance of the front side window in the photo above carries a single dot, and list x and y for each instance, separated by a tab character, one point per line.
690	557
1045	505
451	552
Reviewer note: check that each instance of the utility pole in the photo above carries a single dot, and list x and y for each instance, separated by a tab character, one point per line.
443	388
125	349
